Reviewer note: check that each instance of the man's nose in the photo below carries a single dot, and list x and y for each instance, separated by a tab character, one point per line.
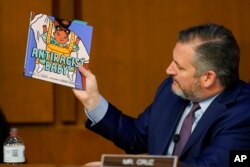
170	70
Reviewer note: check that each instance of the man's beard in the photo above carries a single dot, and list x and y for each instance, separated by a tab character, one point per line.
193	94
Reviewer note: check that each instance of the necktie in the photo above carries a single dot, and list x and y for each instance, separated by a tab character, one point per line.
186	128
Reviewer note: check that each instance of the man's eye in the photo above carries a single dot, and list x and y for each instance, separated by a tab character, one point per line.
180	68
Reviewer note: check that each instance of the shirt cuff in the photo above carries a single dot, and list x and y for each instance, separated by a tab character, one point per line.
98	112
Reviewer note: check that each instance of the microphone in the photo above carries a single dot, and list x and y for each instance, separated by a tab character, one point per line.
176	138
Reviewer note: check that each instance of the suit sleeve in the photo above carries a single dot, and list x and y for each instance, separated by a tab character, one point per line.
124	131
130	134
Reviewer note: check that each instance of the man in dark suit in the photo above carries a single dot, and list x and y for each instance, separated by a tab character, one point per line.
204	71
4	132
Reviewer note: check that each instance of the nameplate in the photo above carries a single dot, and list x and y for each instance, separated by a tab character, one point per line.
117	160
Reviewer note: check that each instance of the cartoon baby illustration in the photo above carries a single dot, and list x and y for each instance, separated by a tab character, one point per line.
54	35
59	42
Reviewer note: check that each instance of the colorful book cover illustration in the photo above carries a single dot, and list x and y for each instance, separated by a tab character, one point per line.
55	47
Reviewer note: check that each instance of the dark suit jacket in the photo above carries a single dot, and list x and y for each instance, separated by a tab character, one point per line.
225	126
4	132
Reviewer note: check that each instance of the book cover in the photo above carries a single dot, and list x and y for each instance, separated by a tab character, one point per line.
55	47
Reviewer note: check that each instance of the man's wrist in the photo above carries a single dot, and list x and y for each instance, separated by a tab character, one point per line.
98	112
92	103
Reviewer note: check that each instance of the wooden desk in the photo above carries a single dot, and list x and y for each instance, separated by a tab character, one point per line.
38	165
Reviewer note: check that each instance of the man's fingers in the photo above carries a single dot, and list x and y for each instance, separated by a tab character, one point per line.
85	72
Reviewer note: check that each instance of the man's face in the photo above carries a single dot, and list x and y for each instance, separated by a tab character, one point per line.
185	84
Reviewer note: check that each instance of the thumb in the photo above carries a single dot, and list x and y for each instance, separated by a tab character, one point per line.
85	72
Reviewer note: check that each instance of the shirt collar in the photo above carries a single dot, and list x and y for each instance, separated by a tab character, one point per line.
204	104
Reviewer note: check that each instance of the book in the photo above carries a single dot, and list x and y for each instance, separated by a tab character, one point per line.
55	48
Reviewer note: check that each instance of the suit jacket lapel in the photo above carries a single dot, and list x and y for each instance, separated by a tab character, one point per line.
205	122
169	125
217	107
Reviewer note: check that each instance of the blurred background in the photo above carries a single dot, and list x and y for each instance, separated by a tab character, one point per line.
131	48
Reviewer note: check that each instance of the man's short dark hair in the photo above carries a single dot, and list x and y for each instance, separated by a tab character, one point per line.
216	50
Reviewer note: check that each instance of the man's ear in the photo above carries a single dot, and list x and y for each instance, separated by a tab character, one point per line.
208	79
